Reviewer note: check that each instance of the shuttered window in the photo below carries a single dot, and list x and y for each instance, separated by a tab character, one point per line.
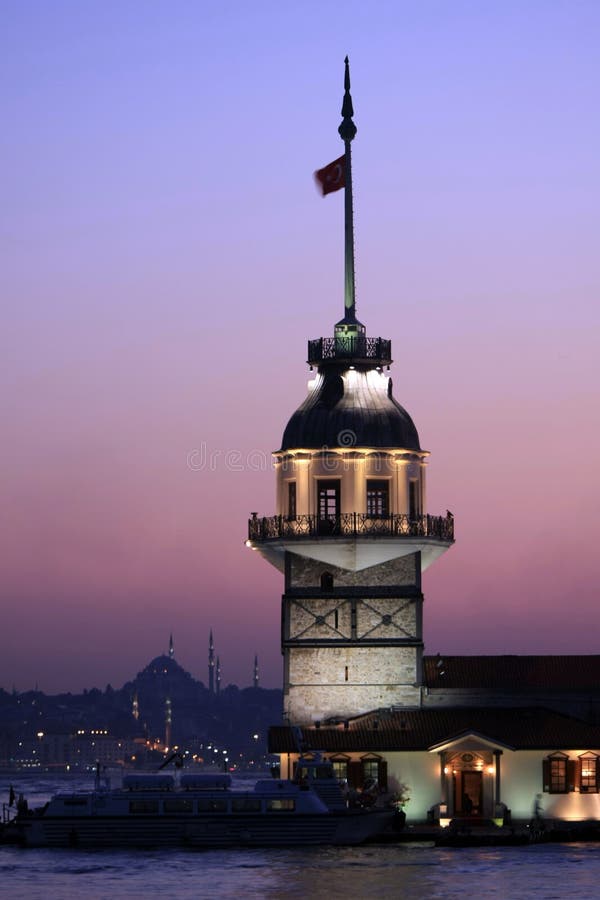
588	773
559	774
340	767
366	771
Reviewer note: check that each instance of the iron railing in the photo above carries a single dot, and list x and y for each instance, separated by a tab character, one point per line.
272	528
350	347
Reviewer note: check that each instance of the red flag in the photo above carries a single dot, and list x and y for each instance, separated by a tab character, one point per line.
332	177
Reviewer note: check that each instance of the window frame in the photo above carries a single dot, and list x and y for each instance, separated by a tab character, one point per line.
588	782
377	498
292	497
414	499
556	781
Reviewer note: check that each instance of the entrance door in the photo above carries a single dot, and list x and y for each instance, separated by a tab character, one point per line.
468	793
328	507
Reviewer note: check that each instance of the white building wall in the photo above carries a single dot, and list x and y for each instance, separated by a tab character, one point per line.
420	772
352	467
522	779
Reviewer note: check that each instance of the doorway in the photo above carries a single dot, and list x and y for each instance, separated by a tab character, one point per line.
468	793
328	507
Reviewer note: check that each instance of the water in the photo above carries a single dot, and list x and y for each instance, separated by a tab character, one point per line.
389	871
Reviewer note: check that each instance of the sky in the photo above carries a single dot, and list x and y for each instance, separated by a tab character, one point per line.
165	257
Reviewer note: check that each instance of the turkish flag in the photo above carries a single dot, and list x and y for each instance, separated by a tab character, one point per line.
332	177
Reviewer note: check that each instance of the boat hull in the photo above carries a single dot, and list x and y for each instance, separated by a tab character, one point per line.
258	830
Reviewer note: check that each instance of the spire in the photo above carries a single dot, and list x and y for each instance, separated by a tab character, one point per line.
350	347
255	673
347	132
171	648
218	676
168	722
211	664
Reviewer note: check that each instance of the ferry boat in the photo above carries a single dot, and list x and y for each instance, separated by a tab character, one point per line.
202	811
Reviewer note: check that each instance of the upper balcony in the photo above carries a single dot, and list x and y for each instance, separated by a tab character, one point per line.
350	525
357	349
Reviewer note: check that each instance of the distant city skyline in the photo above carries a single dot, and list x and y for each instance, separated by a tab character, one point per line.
166	257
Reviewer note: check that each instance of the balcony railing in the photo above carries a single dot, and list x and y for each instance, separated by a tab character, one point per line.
356	347
274	528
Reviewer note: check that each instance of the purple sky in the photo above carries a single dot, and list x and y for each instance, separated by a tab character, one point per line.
166	256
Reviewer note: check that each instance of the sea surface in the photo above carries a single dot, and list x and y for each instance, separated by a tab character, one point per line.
382	872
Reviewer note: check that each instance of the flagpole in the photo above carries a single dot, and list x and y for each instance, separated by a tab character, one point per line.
347	132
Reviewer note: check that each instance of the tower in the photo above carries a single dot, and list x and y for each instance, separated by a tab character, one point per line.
168	722
255	673
351	533
211	664
218	679
171	647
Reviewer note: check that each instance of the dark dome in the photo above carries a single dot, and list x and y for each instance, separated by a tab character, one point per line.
350	409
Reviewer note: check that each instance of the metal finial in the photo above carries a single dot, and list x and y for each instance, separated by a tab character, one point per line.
347	129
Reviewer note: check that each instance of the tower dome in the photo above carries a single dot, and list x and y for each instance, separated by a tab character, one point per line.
350	408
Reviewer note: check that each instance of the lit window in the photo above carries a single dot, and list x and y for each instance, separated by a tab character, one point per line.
282	804
340	768
370	769
378	498
328	507
558	774
588	773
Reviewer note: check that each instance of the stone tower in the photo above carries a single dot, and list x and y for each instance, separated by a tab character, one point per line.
351	533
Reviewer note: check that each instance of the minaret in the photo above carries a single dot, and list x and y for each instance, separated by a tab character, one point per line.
135	707
218	676
351	533
255	673
168	722
171	648
211	664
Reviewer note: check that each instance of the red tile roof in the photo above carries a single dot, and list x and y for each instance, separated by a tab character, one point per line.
421	729
512	672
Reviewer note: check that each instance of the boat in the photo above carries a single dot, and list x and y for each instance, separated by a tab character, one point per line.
202	810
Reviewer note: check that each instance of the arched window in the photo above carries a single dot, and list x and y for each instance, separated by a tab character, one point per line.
326	581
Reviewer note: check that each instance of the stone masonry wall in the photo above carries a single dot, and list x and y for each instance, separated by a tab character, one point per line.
403	572
317	688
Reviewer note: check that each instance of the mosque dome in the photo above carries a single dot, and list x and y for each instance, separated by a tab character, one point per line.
350	408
